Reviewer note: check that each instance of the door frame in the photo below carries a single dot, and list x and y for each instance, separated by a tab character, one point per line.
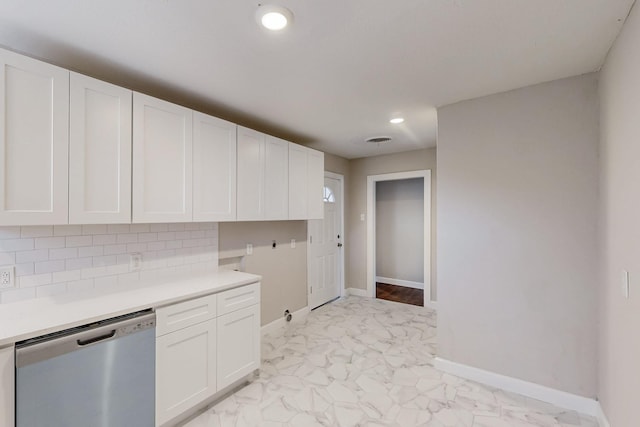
341	276
371	229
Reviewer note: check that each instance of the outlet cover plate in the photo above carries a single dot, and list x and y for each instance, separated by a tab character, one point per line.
7	277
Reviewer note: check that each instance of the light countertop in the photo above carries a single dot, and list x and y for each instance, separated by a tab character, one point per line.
32	318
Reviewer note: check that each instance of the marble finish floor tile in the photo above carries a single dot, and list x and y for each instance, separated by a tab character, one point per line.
367	362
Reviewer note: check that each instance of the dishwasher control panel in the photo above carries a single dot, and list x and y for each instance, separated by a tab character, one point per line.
136	327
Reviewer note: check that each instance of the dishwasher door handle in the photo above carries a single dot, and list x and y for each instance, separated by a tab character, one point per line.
99	338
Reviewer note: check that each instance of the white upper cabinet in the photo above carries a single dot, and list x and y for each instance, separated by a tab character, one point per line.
298	196
162	161
306	181
263	175
276	179
34	142
315	184
99	152
251	175
214	169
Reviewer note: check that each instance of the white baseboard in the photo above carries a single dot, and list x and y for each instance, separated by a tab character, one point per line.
558	398
602	418
297	316
399	282
355	291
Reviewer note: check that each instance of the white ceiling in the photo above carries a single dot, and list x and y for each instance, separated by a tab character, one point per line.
338	74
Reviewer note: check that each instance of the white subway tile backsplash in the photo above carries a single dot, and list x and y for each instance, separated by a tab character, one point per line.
176	227
156	246
53	259
136	247
14	245
173	244
94	229
105	261
139	228
80	285
168	235
90	273
34	280
50	242
49	266
156	228
65	253
9	232
105	239
77	241
79	263
67	230
91	251
115	249
147	237
66	276
32	256
37	231
127	238
7	258
118	228
49	290
25	269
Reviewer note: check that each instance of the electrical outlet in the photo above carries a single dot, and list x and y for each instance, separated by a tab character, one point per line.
7	275
249	249
293	243
135	262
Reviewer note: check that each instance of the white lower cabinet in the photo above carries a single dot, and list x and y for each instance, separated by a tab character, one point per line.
7	384
199	352
185	369
238	344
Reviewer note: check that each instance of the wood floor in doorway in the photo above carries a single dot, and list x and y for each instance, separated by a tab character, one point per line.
401	294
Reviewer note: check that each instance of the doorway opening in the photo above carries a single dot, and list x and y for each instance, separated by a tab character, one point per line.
325	245
399	237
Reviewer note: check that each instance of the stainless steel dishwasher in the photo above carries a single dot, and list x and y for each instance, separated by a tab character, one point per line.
98	375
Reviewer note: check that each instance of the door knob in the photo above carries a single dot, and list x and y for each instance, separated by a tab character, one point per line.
339	245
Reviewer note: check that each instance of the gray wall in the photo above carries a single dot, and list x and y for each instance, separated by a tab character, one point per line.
400	229
283	269
517	203
356	196
619	332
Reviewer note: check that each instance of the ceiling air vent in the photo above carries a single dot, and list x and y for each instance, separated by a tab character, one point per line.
378	139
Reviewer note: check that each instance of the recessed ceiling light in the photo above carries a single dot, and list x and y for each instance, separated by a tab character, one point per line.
273	17
396	120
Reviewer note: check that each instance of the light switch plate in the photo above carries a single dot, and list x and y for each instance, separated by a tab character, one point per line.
249	249
135	262
625	284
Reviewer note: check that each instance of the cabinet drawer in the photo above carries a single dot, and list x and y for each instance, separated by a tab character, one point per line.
235	299
183	314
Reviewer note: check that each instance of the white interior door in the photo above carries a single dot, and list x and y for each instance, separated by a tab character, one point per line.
325	246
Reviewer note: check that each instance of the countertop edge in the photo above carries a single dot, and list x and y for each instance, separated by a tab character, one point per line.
116	303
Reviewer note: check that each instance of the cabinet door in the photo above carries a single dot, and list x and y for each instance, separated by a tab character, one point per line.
276	179
34	142
251	176
315	184
185	369
7	387
298	197
99	152
162	161
214	169
238	345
